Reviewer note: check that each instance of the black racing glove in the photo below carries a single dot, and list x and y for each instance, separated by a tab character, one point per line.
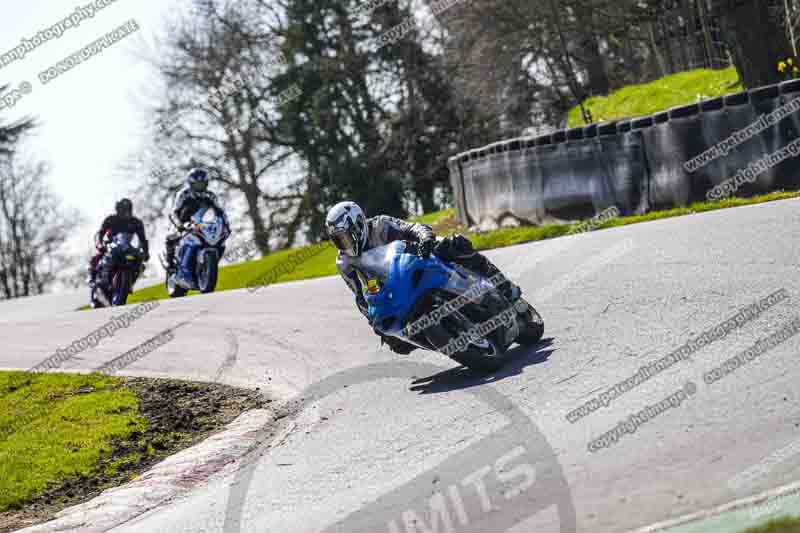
426	248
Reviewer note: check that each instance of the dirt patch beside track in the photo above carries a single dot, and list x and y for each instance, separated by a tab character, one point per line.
180	414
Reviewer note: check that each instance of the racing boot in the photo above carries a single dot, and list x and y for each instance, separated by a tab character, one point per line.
459	249
91	278
480	263
169	253
509	289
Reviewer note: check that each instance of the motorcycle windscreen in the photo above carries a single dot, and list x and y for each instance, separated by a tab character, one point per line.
205	215
377	263
209	217
210	224
396	297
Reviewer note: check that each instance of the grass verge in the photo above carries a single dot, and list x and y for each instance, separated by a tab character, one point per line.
64	438
659	95
511	236
444	222
778	525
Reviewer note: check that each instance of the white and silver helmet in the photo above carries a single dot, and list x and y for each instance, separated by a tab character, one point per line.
347	228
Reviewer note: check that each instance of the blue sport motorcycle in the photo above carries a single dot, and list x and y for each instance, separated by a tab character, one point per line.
199	252
443	307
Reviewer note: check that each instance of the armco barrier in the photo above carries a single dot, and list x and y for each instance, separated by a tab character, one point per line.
665	187
739	114
635	164
636	128
713	124
539	180
564	195
623	162
527	199
455	164
735	114
685	127
763	101
788	172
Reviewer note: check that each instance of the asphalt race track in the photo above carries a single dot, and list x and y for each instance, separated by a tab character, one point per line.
375	442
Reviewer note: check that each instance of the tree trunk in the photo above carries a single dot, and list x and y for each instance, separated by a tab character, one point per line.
656	48
758	42
708	47
591	57
599	84
260	231
424	189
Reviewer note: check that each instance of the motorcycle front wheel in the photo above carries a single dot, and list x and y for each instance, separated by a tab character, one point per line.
207	277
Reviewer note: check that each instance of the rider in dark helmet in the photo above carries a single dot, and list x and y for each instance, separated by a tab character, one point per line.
122	221
353	233
194	196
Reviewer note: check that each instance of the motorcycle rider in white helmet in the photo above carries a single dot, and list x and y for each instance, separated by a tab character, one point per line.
353	233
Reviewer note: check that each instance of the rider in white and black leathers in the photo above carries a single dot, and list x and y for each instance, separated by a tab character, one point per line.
382	229
188	201
352	233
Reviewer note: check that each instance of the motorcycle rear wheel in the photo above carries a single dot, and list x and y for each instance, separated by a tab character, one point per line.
120	288
484	357
96	302
479	360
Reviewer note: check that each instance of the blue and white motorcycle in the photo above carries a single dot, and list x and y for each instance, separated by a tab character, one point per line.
443	307
199	253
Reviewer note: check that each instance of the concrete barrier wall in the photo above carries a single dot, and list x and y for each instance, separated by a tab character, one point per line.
634	164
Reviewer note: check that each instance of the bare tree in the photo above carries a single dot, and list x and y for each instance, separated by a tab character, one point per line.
222	71
11	134
530	61
34	226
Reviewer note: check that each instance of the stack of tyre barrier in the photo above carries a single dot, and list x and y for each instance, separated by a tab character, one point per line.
634	164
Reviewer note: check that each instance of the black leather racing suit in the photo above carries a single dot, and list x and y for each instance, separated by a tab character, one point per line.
114	224
383	230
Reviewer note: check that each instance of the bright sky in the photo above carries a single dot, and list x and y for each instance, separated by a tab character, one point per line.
91	117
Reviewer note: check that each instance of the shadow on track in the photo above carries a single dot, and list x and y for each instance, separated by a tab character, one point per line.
463	378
